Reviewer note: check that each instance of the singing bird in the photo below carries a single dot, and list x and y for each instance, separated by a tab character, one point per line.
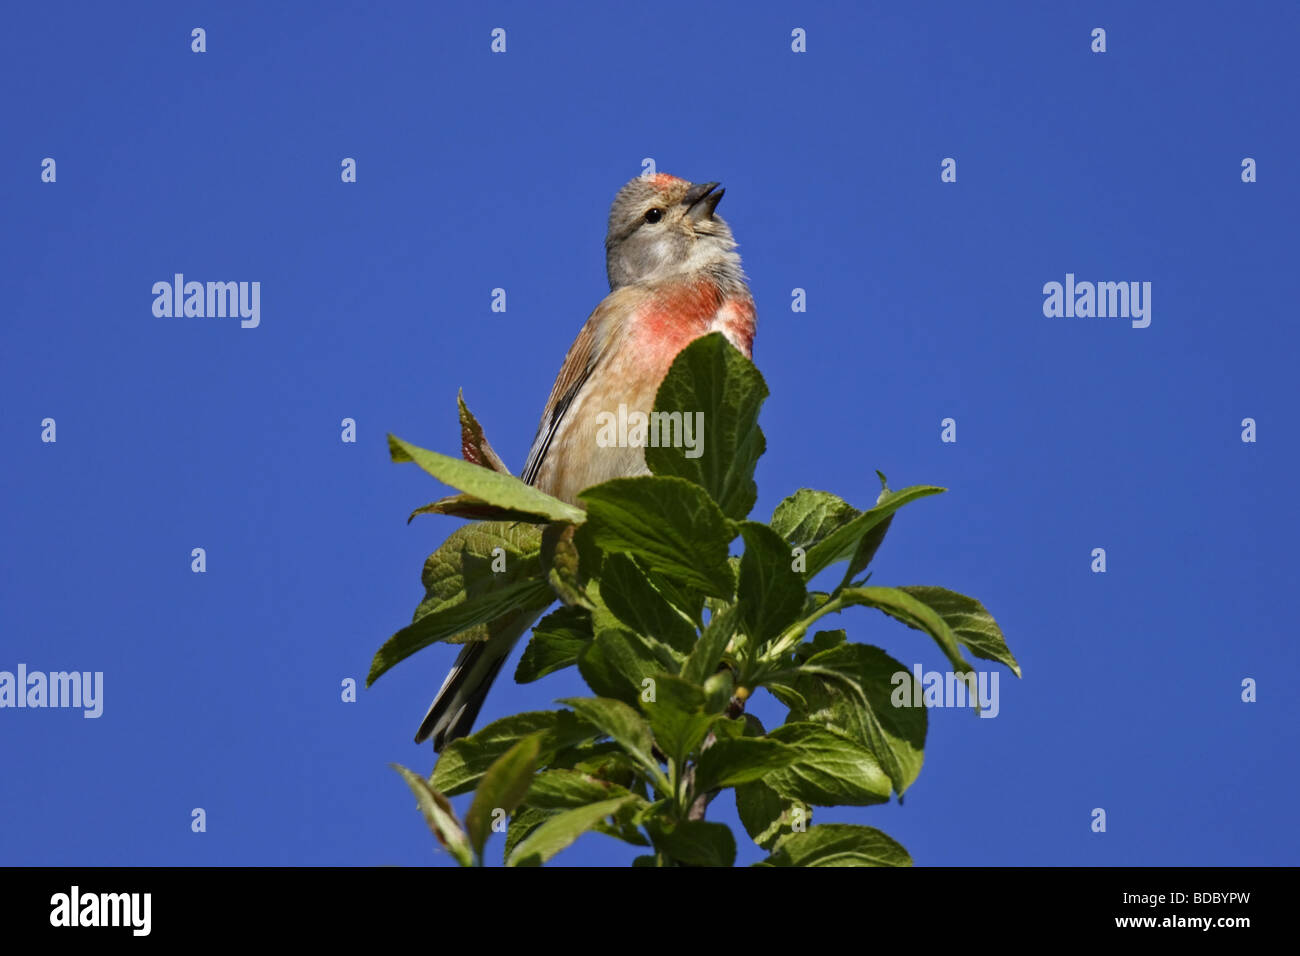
674	275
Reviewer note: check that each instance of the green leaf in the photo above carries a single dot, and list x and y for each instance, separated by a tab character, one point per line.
866	549
470	563
621	723
679	693
839	844
766	815
557	641
902	606
851	688
678	734
439	815
564	789
808	517
569	560
709	649
491	487
622	829
815	601
503	787
871	541
618	662
843	541
677	716
669	523
821	641
694	842
772	593
605	760
970	622
635	602
830	770
746	725
560	830
733	761
524	822
712	378
462	568
464	762
784	693
687	600
467	506
530	596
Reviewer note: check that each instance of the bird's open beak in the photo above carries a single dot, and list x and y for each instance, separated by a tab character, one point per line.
701	199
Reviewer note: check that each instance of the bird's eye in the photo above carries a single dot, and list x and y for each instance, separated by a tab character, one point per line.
654	215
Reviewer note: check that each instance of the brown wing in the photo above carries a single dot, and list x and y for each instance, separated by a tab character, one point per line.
585	354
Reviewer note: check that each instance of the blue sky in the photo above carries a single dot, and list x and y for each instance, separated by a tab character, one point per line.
478	171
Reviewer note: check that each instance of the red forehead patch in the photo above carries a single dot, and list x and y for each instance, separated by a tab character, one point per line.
664	182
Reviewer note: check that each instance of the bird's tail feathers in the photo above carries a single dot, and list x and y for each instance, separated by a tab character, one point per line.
461	696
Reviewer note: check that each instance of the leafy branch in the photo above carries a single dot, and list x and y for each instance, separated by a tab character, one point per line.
673	634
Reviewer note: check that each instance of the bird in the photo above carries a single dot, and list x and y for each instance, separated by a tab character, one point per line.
674	276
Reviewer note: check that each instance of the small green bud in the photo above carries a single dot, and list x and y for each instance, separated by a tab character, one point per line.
717	691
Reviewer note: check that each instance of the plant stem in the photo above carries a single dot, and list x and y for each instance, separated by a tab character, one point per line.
701	802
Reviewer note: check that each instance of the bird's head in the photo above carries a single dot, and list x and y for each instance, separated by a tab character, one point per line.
661	226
